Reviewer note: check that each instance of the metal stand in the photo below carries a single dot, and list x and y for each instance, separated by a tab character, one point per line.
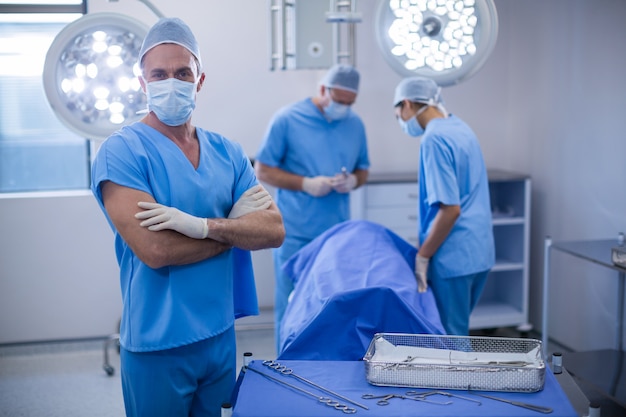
112	339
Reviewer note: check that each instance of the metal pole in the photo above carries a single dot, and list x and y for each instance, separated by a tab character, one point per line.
546	294
274	10
620	312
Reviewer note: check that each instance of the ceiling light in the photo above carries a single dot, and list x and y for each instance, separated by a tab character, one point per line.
446	40
89	72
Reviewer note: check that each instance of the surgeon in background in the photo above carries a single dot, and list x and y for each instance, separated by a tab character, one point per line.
456	248
314	152
185	208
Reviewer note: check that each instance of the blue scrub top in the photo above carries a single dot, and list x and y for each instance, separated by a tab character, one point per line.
300	140
452	172
176	305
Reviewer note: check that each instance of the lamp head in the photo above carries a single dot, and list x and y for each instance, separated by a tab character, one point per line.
90	74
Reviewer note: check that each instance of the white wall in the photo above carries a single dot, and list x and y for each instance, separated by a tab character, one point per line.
549	102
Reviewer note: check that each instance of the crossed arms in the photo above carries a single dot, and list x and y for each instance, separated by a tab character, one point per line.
156	233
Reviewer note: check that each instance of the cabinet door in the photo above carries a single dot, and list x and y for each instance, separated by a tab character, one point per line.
385	195
395	207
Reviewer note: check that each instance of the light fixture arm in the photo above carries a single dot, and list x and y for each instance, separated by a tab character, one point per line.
296	41
344	38
149	5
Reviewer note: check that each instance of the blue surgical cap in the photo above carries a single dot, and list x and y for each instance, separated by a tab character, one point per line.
170	30
344	77
418	90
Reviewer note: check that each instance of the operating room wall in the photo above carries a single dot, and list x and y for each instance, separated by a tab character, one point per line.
549	102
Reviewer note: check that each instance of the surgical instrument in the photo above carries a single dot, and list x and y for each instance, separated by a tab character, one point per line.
533	407
344	171
396	365
324	400
444	393
410	395
383	399
289	372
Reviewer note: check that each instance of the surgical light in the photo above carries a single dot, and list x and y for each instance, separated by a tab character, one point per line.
446	40
88	74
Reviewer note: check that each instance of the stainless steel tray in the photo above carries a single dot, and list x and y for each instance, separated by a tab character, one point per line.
455	362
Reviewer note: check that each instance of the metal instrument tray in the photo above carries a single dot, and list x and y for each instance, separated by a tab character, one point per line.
455	362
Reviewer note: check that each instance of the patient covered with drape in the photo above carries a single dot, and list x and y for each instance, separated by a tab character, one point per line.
353	281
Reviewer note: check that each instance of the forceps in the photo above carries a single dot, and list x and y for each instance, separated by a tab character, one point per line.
538	408
410	395
384	399
444	393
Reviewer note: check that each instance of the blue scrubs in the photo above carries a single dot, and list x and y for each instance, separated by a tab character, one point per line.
167	308
452	172
300	140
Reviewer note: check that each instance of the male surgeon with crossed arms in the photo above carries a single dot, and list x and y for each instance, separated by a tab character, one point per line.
185	207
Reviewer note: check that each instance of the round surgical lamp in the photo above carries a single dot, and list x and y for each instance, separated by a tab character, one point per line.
446	40
90	74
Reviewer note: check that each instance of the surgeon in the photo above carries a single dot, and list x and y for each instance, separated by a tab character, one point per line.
183	202
456	249
315	153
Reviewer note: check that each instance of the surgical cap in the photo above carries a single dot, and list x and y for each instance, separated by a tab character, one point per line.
418	90
170	30
344	77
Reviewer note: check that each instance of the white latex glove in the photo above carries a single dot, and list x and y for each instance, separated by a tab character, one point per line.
421	269
317	186
344	183
254	199
159	217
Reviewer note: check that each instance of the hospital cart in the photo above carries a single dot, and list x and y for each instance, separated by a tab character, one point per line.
592	366
259	396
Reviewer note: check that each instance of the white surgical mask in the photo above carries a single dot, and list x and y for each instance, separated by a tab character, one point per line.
412	127
336	111
172	100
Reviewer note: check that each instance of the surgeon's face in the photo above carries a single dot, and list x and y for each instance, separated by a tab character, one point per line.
404	111
171	60
340	96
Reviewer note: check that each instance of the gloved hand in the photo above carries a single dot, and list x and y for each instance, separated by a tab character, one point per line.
344	183
317	186
421	269
159	217
256	198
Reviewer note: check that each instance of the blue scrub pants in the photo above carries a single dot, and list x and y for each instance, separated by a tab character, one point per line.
456	297
284	284
192	380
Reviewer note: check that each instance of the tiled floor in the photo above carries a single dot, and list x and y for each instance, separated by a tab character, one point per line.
65	379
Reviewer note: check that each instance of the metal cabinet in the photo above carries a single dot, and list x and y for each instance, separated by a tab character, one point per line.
391	200
504	301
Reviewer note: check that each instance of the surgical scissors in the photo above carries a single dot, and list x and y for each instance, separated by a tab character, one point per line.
410	395
384	399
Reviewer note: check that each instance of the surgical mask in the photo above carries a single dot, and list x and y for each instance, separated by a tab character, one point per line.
172	100
336	111
412	127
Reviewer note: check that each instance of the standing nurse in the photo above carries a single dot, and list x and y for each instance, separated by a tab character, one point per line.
314	152
456	248
185	207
